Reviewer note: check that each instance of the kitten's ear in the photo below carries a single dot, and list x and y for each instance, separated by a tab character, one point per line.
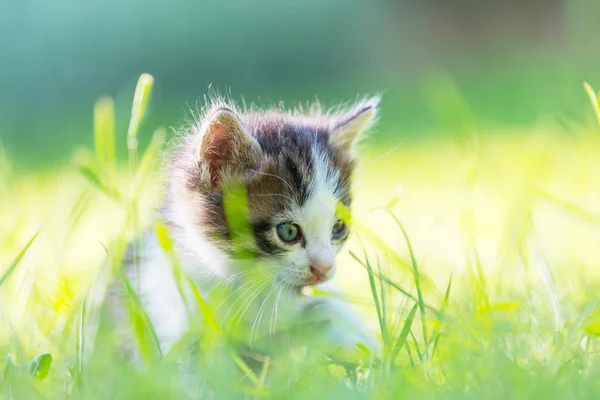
228	148
351	125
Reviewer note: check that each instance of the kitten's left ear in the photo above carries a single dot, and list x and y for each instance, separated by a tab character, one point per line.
228	148
351	125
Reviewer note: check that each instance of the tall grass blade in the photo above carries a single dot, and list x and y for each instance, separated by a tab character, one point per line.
593	99
93	178
416	343
138	110
391	283
166	244
441	313
375	294
382	291
237	214
141	98
386	250
409	354
80	343
449	106
148	162
549	282
13	266
479	281
417	275
566	205
104	133
401	340
145	334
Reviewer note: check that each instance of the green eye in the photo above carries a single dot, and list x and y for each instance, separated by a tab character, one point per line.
339	229
288	232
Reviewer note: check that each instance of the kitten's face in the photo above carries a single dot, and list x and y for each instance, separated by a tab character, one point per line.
293	202
297	172
307	239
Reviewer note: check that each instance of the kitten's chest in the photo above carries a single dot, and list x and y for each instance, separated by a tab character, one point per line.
252	310
255	310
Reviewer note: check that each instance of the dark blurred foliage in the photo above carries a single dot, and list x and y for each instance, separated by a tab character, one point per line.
513	60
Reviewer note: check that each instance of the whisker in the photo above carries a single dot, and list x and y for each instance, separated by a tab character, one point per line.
256	324
231	280
249	302
272	324
280	178
385	154
273	194
245	284
256	284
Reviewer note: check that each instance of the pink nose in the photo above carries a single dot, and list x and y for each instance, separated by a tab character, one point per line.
320	270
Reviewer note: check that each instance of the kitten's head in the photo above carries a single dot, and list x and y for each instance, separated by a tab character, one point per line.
296	168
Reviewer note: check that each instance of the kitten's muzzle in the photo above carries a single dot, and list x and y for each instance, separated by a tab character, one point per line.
320	272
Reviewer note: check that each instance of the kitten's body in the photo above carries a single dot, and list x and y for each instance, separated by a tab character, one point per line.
296	170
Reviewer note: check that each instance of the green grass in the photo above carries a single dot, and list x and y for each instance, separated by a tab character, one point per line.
474	259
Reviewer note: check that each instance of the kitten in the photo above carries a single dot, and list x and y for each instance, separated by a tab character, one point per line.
296	168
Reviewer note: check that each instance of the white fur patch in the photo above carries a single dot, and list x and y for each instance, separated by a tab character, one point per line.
201	257
316	218
160	296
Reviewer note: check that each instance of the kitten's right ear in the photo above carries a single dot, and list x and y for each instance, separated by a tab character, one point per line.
351	125
228	149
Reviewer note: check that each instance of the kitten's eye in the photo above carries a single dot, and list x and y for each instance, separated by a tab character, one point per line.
339	229
288	232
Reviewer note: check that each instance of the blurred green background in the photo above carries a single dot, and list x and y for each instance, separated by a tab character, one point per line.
513	60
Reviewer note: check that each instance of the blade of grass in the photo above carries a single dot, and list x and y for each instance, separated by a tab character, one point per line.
104	134
417	348
441	313
382	291
146	337
479	280
138	110
417	275
8	370
96	181
374	293
148	161
549	282
78	211
161	231
13	266
141	98
401	340
237	214
409	353
593	99
575	209
80	343
449	106
391	283
384	248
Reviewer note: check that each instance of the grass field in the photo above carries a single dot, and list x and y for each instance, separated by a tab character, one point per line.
474	256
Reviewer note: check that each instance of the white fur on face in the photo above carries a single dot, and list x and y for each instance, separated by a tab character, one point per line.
316	218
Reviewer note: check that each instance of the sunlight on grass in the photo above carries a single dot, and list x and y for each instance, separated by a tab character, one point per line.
477	263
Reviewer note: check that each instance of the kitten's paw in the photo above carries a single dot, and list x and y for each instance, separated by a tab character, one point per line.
346	336
353	344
